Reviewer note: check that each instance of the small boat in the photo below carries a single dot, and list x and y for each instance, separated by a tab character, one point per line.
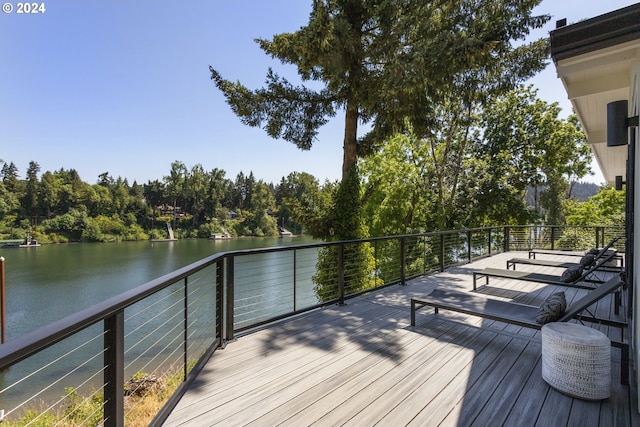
29	242
220	236
285	233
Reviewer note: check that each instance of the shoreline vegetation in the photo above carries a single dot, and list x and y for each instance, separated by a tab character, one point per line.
58	207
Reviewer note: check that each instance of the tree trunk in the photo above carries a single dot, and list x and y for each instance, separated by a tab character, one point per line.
350	148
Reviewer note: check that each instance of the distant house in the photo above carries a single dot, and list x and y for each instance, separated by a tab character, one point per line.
167	210
598	61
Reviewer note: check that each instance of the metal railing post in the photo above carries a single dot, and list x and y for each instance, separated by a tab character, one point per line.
114	370
507	237
442	252
230	299
220	301
3	312
341	274
185	332
403	261
295	287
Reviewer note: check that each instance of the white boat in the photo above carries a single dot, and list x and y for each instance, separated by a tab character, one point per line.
220	236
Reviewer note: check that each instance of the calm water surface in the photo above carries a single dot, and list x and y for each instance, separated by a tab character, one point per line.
50	282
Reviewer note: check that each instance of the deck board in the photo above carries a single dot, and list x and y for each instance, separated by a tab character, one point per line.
363	364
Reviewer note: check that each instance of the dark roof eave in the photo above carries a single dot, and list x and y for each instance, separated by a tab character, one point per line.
597	33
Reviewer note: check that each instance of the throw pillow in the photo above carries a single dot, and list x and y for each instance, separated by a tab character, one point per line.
594	251
587	260
552	308
571	274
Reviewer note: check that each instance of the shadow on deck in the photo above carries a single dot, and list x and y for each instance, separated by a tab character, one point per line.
362	364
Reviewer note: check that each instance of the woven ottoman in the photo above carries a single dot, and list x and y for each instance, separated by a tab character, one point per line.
576	360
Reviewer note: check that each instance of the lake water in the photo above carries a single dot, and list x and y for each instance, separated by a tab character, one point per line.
50	282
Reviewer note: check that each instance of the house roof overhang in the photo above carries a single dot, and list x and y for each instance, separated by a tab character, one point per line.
597	62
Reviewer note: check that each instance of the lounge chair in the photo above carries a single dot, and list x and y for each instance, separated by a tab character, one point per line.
525	315
612	266
604	250
584	281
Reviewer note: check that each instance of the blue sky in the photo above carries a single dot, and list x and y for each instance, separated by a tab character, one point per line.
124	87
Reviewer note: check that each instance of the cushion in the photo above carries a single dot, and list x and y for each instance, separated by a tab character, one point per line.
587	260
594	251
571	274
552	308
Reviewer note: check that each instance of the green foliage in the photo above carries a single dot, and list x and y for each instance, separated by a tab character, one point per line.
397	180
525	144
346	223
81	410
68	209
309	203
92	232
390	64
76	410
605	208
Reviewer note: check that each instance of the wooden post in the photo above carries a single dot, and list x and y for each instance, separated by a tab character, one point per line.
2	302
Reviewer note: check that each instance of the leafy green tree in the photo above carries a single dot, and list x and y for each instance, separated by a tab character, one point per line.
397	187
9	203
605	208
99	200
49	192
525	144
260	222
308	202
120	196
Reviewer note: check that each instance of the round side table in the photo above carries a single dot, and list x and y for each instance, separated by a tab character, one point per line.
576	360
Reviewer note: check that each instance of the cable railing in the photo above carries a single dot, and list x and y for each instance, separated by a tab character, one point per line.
128	360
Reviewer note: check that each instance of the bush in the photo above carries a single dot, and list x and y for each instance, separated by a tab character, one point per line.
92	232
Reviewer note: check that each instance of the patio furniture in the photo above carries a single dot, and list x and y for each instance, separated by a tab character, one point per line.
603	251
525	315
585	280
612	266
576	360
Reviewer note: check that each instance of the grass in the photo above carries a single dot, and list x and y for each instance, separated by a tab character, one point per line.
139	408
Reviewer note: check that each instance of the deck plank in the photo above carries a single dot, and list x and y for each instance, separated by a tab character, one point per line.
363	364
419	386
314	403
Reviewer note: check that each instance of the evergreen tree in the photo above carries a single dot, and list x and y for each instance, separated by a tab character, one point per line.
385	61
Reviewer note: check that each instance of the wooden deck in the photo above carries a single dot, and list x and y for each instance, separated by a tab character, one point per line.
362	364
